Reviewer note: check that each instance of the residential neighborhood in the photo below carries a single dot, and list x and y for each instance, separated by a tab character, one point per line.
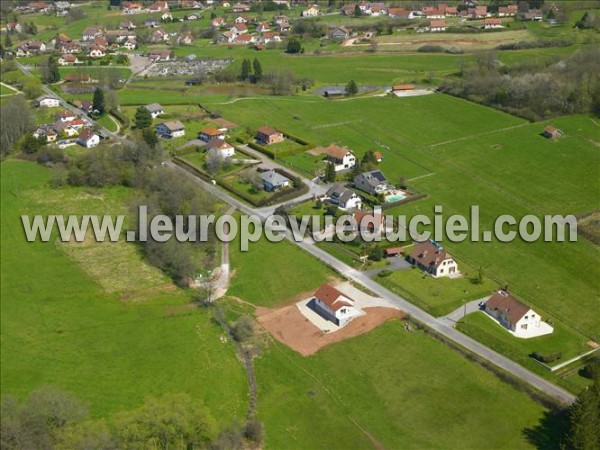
295	224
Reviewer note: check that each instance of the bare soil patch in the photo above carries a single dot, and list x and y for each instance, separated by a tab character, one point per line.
224	123
290	327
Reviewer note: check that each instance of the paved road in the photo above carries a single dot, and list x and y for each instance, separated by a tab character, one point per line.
103	131
441	326
459	313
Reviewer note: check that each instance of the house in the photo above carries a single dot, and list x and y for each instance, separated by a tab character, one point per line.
166	17
378	156
127	25
434	12
84	105
479	12
377	9
45	131
185	38
437	26
551	132
373	182
241	7
158	36
508	11
267	135
273	181
171	129
451	11
151	23
392	252
76	124
400	13
97	51
403	88
431	257
515	316
533	14
340	157
334	306
206	134
31	47
491	23
65	116
68	59
339	34
263	27
131	8
161	55
90	33
239	28
14	26
192	16
47	101
218	22
270	36
343	197
312	11
241	19
225	149
88	139
158	7
372	222
130	44
155	109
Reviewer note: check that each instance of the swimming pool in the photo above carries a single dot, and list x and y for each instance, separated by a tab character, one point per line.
395	198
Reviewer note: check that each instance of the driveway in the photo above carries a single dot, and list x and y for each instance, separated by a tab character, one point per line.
396	263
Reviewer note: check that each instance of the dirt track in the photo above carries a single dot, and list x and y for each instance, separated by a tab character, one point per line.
290	327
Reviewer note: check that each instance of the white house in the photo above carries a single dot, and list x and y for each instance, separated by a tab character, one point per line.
171	129
155	109
437	26
224	148
431	257
88	138
492	22
65	116
97	51
206	134
311	12
48	101
334	306
340	157
343	197
373	182
518	318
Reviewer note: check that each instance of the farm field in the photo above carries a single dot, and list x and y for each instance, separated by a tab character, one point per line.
124	345
379	399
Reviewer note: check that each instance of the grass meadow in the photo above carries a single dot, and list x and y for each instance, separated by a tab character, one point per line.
111	337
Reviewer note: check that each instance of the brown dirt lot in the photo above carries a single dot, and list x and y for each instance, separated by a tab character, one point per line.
290	327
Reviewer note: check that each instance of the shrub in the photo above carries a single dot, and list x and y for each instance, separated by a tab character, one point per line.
546	357
385	273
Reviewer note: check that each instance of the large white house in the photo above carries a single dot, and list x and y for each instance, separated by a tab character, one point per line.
518	318
155	109
88	138
48	101
334	306
225	149
430	257
340	157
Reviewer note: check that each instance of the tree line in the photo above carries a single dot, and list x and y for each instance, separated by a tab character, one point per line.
50	418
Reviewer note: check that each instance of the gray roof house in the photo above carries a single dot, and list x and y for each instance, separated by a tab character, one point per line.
343	197
155	109
273	181
373	182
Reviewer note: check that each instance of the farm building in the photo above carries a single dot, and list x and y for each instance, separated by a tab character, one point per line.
431	257
515	316
551	132
334	306
268	135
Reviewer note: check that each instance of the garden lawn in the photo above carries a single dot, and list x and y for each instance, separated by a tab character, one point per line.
563	340
438	296
60	327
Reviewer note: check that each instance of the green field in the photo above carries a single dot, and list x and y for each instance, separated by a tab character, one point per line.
63	326
387	389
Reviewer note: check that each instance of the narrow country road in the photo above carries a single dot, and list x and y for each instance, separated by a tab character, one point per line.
441	326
